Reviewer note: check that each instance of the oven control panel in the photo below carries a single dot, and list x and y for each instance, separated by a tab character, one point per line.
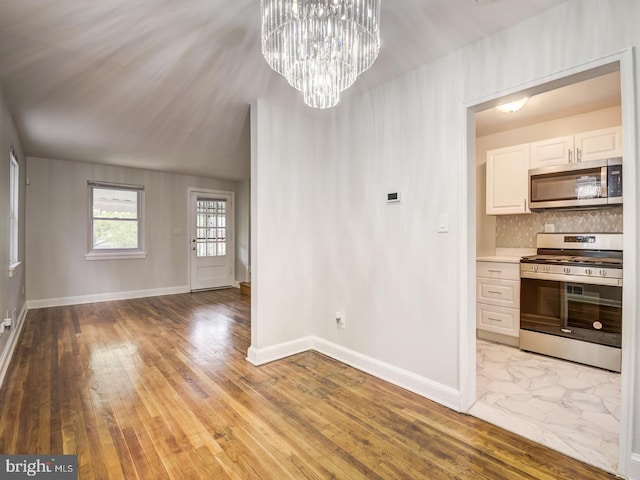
572	273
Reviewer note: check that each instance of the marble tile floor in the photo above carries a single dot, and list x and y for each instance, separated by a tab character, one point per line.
572	408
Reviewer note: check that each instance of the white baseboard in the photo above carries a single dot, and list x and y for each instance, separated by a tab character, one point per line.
105	297
422	386
14	335
631	467
260	356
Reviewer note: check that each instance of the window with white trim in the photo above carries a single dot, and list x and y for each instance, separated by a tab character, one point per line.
115	220
14	210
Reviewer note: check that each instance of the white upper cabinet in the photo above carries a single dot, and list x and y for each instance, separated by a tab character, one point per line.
553	151
582	147
507	173
599	144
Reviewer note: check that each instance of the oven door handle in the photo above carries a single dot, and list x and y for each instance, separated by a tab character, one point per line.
561	277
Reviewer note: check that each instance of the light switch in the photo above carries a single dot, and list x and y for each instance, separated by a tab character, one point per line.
443	223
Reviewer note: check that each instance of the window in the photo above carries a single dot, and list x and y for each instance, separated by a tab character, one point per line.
211	227
116	221
14	211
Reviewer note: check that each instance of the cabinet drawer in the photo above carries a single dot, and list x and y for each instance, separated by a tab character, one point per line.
505	293
498	270
505	321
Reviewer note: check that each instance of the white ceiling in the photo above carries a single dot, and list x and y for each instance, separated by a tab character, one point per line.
596	93
166	85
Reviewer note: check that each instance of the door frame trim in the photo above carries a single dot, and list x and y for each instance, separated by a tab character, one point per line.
628	460
191	226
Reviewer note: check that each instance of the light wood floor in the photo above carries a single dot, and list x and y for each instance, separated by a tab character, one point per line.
159	388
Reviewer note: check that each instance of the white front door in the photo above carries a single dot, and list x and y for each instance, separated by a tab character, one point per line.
212	252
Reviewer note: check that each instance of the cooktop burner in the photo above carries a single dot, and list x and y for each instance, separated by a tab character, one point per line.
574	260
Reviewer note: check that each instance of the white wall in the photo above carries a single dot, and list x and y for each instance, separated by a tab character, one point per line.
397	279
375	261
11	295
57	232
281	227
243	229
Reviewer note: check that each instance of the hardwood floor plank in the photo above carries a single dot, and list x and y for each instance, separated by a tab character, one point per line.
159	388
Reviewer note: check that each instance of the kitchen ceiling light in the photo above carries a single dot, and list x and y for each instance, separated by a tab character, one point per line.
512	106
320	46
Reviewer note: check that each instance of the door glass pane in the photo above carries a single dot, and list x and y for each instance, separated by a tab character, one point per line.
211	232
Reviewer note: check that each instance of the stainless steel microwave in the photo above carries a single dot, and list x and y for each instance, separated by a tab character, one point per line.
576	185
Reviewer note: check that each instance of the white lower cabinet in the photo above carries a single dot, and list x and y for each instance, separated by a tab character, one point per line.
503	320
498	298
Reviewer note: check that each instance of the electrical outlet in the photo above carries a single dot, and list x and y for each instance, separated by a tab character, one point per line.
341	321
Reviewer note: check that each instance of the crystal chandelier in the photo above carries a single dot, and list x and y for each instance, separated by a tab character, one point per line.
320	46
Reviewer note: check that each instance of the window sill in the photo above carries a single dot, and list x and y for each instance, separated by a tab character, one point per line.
115	255
13	267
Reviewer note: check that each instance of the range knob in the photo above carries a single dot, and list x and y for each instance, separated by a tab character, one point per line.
588	271
535	268
547	268
566	270
603	273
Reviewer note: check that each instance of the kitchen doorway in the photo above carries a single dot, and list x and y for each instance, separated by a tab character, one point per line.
489	234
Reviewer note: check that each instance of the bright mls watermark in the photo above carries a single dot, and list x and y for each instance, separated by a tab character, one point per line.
51	467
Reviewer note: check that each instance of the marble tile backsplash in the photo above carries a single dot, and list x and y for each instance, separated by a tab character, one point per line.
519	231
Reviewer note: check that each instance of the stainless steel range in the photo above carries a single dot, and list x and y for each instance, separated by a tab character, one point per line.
571	298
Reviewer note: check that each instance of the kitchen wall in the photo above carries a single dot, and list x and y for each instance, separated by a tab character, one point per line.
57	231
402	285
11	294
518	231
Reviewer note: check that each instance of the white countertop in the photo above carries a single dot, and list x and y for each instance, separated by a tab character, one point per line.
507	255
499	259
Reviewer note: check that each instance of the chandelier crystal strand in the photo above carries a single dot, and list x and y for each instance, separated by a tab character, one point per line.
320	46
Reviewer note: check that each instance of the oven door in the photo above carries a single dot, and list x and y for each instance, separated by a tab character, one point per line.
592	313
541	305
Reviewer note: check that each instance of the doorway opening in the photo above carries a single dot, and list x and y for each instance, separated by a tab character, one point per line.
502	379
